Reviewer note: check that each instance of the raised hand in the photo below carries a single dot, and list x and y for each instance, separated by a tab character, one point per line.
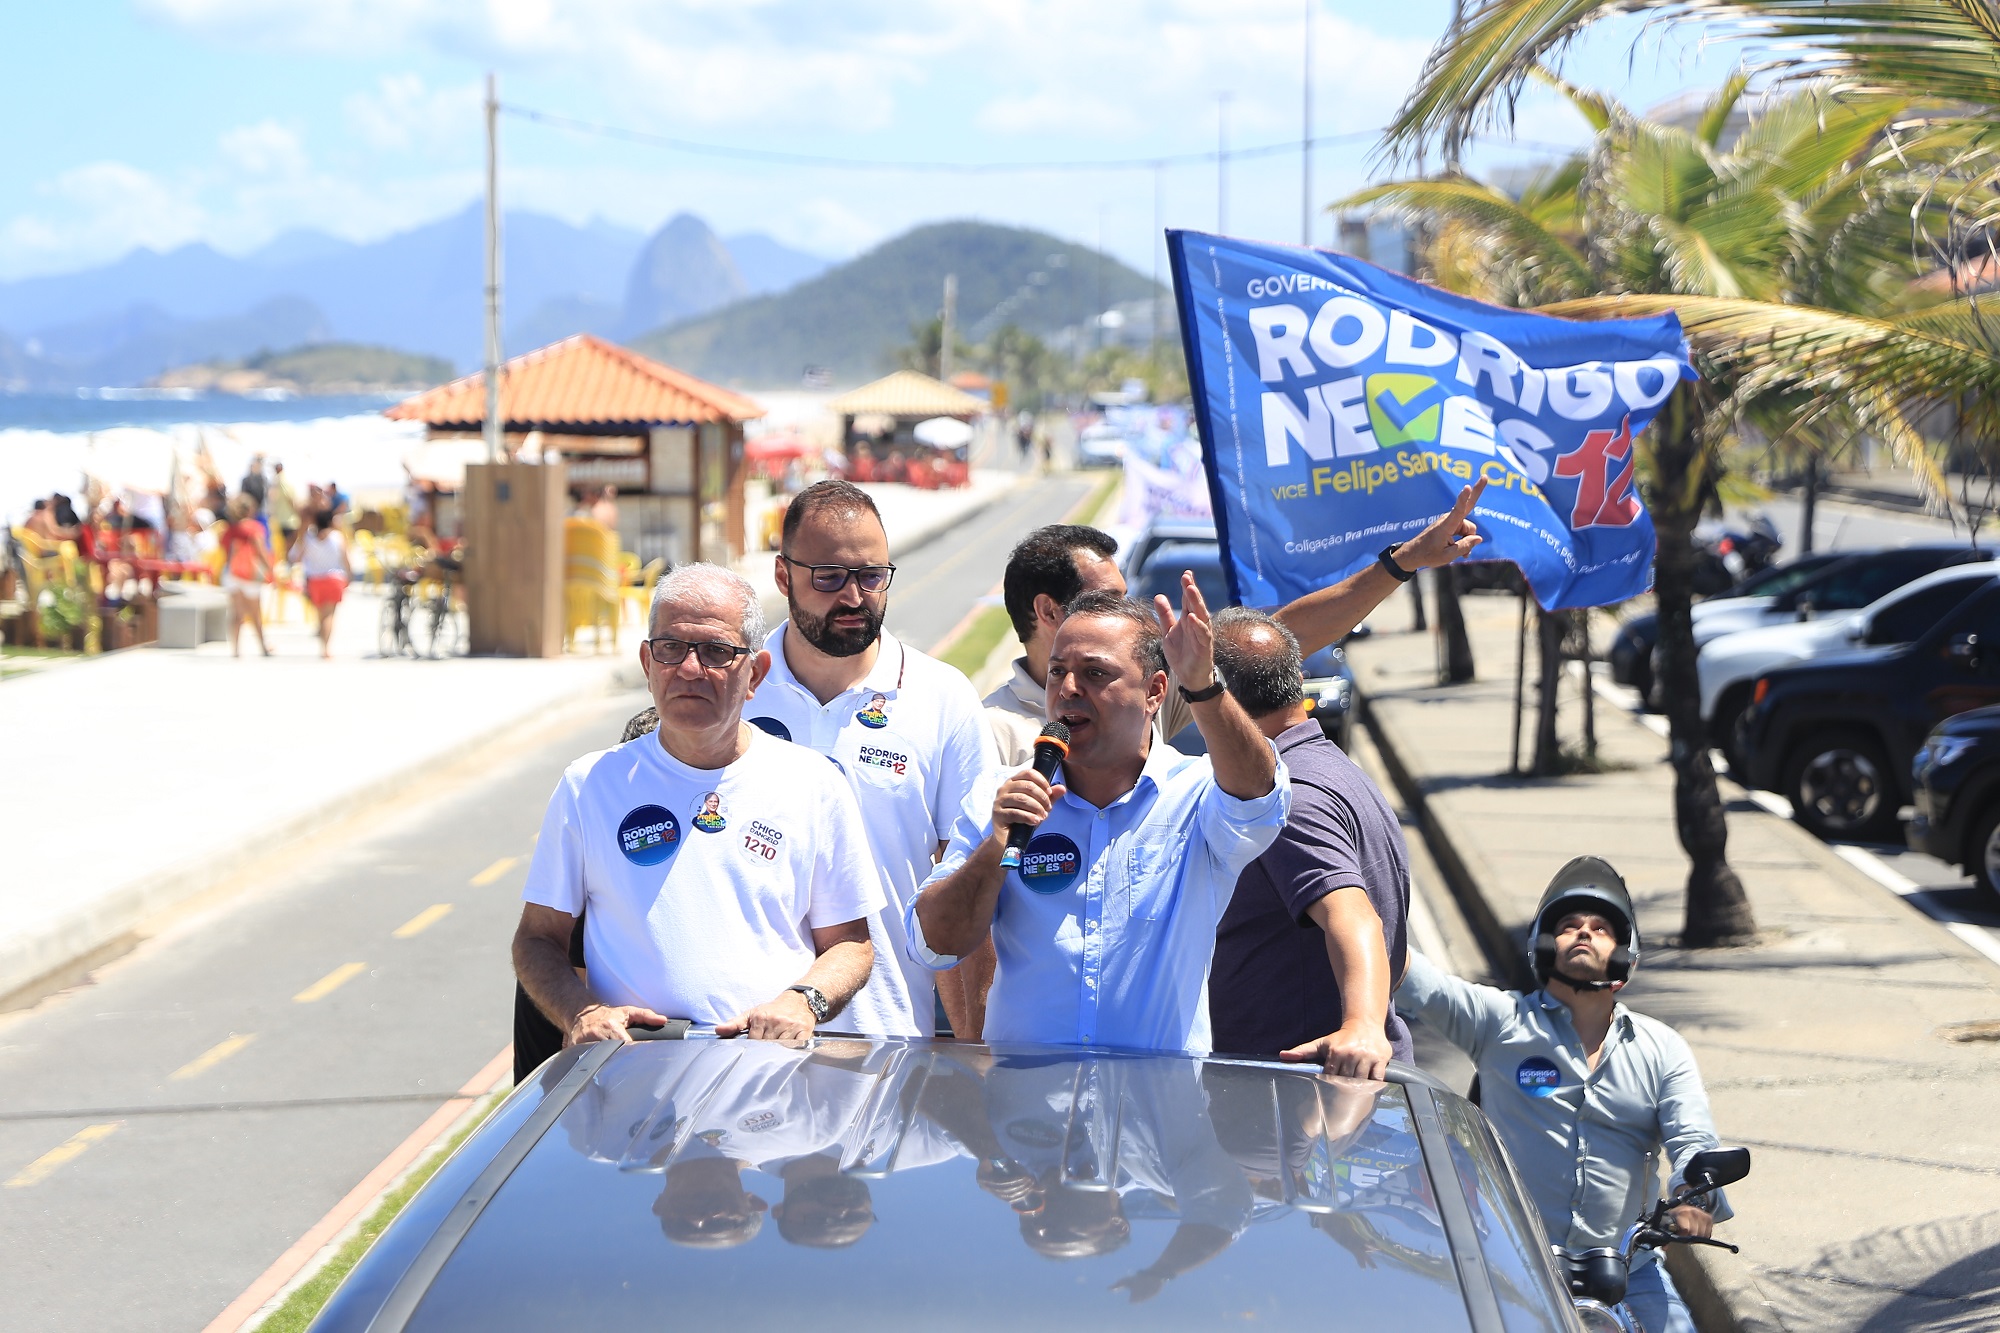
1189	638
1451	536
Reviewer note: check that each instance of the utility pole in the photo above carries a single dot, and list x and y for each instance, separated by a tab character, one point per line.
495	424
1222	163
949	317
1159	240
1306	141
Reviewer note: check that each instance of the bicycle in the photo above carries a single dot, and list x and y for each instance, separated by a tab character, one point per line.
422	626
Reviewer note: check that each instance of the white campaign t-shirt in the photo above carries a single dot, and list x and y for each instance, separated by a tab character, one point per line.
704	885
913	741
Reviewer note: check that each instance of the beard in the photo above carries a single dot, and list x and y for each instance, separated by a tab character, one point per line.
820	633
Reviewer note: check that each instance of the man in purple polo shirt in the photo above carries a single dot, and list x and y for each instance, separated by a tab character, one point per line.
1312	944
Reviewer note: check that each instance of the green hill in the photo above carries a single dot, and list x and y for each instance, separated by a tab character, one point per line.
852	318
315	368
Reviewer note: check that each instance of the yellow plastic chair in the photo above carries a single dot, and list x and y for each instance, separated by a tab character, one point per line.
590	583
637	592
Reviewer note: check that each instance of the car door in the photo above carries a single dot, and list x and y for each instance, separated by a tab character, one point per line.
1956	669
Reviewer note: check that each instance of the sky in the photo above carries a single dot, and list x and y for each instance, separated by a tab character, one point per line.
162	122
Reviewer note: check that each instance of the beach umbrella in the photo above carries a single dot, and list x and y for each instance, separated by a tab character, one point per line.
776	447
944	432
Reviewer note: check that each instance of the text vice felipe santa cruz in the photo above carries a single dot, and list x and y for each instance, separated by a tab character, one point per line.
1105	932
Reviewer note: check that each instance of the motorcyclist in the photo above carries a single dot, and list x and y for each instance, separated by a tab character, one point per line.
1584	1092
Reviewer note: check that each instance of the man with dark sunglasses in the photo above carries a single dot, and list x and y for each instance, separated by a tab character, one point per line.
726	873
905	728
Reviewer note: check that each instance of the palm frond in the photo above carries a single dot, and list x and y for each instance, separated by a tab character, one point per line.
1561	268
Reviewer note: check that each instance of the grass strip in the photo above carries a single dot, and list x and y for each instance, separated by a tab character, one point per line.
969	651
303	1305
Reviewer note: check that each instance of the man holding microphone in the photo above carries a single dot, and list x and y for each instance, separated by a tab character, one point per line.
1105	931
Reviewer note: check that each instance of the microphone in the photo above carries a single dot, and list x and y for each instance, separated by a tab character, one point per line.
1050	747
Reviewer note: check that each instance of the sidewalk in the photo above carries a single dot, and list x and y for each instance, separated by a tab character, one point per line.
138	780
1875	1200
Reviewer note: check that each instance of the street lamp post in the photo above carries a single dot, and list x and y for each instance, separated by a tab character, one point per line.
494	426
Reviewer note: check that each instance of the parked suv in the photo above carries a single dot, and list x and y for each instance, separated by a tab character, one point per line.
1729	666
1838	736
1957	781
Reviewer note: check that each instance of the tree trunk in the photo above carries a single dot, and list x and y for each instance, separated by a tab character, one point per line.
1456	668
1808	506
1550	629
1718	911
1417	621
1589	686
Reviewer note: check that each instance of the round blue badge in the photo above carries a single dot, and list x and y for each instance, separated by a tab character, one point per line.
773	726
649	835
876	714
709	816
1538	1077
1050	864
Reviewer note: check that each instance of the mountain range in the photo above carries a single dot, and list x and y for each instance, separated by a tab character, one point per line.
850	319
418	290
744	310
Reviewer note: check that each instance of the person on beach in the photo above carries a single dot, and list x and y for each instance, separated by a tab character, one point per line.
245	570
1586	1094
322	555
759	927
281	507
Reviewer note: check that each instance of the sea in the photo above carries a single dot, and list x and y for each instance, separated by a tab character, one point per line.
50	441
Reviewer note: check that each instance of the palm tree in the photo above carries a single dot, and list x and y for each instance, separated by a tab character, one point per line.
1655	218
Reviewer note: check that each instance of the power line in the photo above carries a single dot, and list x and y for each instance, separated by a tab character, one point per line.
934	167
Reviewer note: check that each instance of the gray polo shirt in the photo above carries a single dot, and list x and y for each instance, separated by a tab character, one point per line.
1272	987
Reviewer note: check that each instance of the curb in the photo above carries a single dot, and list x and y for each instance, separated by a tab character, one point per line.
52	959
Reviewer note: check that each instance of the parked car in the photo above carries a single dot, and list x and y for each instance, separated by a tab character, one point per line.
1956	776
1631	654
889	1185
1100	446
1838	736
1329	680
1729	666
1160	531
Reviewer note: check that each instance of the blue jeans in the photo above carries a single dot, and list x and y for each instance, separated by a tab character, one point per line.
1653	1303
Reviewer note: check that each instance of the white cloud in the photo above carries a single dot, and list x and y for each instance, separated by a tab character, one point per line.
401	113
264	149
100	210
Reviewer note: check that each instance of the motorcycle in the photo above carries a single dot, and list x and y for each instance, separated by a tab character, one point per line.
1725	557
1597	1278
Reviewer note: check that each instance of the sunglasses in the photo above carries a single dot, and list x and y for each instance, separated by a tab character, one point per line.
715	654
832	578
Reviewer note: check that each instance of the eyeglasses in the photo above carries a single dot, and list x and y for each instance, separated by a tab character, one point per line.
715	654
832	578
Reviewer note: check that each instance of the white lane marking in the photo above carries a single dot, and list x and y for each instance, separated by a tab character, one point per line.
1978	936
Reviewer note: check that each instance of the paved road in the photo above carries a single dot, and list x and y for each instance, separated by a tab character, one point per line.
170	1128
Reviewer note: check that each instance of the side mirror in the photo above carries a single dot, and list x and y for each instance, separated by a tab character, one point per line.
1805	608
1963	649
1716	1167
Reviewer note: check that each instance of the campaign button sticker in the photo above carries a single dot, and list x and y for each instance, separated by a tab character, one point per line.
773	726
876	714
649	835
1538	1077
711	817
1050	864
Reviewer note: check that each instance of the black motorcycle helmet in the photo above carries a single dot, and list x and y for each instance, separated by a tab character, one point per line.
1586	884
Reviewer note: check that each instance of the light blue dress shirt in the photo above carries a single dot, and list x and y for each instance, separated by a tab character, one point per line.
1586	1140
1106	931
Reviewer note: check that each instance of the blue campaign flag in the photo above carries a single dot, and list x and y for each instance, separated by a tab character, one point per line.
1342	407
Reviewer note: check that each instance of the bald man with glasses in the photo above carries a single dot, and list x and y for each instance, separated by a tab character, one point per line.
726	874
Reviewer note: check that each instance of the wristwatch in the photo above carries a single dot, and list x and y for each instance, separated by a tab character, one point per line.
815	1001
1396	571
1215	687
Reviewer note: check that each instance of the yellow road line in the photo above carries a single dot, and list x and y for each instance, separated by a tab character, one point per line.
494	871
422	921
214	1055
330	983
35	1172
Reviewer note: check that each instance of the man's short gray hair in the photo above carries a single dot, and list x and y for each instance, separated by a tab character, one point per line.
1265	678
701	583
